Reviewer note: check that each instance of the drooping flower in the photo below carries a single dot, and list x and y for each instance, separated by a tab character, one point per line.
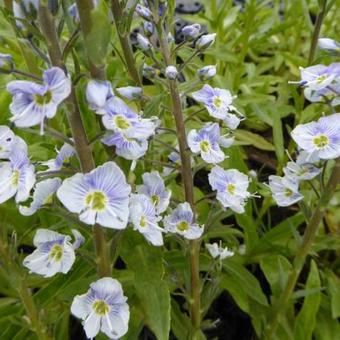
218	102
9	143
103	308
284	190
54	253
207	142
99	95
144	219
180	221
130	92
17	177
43	195
321	138
100	196
329	44
153	187
207	72
191	31
217	251
63	156
33	102
231	186
300	172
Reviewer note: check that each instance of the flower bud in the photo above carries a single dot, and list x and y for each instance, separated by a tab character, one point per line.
170	38
207	72
191	31
171	72
205	41
149	71
329	45
53	6
148	28
144	12
6	63
143	43
130	92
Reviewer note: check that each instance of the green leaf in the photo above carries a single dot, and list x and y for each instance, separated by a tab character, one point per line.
334	292
278	138
151	287
305	321
250	138
245	280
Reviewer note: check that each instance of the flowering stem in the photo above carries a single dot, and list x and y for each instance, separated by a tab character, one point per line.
303	251
78	131
187	179
26	74
316	32
125	43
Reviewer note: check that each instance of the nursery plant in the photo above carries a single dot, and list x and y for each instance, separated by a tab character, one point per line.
169	169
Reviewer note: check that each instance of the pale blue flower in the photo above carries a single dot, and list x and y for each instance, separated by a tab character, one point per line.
43	195
149	28
63	156
99	95
300	172
144	12
143	43
100	196
144	219
321	138
54	253
329	44
217	251
284	190
180	221
17	177
191	31
231	186
9	143
153	186
218	102
130	92
128	148
207	143
103	308
33	102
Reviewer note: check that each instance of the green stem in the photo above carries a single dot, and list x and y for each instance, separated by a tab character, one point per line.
303	251
125	43
82	147
187	179
316	32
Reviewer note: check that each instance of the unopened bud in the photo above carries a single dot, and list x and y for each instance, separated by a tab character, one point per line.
6	63
207	72
144	12
130	92
205	41
171	72
191	31
143	43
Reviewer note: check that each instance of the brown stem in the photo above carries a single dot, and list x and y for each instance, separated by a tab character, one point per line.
125	43
187	179
303	251
82	147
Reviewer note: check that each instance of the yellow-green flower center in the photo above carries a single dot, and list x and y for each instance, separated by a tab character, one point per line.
121	122
48	200
231	188
321	141
56	253
183	226
15	177
204	146
43	99
142	222
217	102
100	307
288	192
97	200
155	199
320	79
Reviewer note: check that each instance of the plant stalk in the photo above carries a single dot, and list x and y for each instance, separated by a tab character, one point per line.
82	147
125	43
304	249
187	179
